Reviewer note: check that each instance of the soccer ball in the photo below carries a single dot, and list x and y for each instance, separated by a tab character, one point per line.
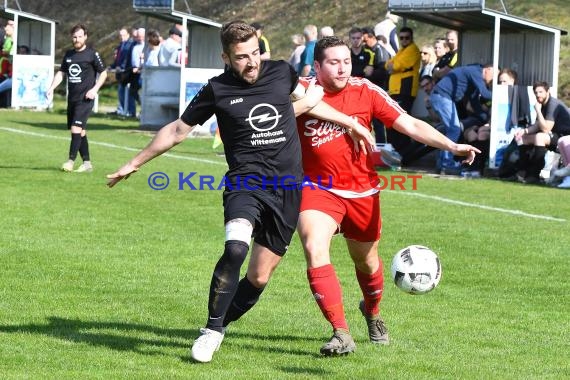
416	269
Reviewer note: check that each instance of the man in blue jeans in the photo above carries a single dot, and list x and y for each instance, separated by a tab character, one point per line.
470	81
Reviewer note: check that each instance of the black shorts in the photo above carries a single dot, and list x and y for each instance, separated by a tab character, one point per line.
273	215
78	113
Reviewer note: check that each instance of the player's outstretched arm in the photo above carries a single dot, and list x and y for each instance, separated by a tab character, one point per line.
169	136
423	132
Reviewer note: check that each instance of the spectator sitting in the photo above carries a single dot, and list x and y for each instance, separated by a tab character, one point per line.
5	80
564	172
428	59
552	122
476	132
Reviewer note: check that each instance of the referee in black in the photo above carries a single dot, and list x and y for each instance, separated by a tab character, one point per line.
80	65
252	103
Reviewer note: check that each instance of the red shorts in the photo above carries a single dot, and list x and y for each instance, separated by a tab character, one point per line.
359	218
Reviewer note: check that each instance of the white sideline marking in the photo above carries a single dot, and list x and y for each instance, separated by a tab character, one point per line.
107	145
483	207
416	194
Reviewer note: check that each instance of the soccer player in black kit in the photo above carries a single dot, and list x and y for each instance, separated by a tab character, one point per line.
256	117
80	65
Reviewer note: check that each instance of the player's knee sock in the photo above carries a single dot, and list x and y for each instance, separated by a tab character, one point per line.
328	294
74	145
372	286
524	157
536	162
84	149
246	297
225	282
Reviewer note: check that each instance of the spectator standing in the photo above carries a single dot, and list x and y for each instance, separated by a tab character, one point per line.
298	47
264	50
121	56
326	31
386	32
133	68
170	49
379	74
153	48
8	44
403	83
470	82
381	55
451	58
307	57
80	65
362	57
552	123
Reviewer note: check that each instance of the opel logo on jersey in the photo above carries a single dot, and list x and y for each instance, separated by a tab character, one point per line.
74	70
263	117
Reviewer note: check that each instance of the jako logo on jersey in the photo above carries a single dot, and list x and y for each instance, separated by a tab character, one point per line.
74	70
235	101
263	117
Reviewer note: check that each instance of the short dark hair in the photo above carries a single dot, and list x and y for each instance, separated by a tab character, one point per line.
369	31
235	32
540	83
325	43
407	29
77	27
354	29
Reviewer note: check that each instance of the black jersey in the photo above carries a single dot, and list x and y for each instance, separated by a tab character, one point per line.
360	61
81	68
256	121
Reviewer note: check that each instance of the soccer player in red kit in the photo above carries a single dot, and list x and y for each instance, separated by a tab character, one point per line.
345	197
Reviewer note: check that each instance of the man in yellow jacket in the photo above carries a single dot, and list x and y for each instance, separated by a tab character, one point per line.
403	84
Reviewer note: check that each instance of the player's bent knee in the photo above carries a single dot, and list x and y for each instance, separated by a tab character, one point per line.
239	230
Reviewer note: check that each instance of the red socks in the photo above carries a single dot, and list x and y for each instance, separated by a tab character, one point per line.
328	294
372	286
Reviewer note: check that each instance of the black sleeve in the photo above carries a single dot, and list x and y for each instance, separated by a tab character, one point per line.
294	78
201	107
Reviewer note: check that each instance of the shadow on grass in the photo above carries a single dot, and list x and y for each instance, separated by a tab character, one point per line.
35	168
122	336
93	124
114	335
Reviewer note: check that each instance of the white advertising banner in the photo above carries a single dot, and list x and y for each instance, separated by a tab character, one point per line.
31	77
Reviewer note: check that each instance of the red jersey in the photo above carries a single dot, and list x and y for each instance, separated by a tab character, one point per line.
329	157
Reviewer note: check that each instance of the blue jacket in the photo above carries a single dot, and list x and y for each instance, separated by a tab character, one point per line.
461	81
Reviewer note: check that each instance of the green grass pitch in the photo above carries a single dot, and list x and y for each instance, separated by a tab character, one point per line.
113	283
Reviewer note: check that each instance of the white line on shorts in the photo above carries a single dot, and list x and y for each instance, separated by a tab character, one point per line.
483	207
113	146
